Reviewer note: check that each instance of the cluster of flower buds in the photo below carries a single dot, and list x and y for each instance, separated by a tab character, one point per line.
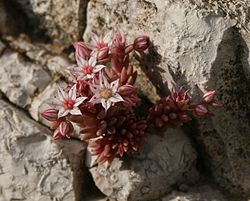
177	108
100	97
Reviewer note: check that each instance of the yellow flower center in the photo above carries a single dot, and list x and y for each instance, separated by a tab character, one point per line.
105	93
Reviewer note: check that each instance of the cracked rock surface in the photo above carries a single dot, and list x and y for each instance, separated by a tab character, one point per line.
201	44
32	166
21	79
196	44
63	21
150	174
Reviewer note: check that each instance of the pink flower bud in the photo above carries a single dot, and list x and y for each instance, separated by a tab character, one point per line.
103	53
209	96
50	114
216	104
129	49
141	43
201	110
57	134
66	128
127	89
82	50
119	40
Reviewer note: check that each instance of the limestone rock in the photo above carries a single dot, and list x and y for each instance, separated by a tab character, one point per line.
20	79
196	45
32	166
49	56
42	102
163	161
200	193
63	20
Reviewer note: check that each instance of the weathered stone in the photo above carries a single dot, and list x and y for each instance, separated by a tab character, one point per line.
196	45
163	161
200	193
63	21
20	79
42	102
50	56
59	65
32	166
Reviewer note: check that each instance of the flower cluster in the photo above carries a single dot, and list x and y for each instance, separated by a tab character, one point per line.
177	108
101	97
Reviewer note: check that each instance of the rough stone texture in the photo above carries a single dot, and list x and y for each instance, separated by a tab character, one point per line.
200	193
42	102
47	55
20	79
151	173
63	20
32	166
196	45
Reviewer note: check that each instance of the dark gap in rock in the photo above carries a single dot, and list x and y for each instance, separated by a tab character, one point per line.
83	17
141	109
12	19
91	192
25	20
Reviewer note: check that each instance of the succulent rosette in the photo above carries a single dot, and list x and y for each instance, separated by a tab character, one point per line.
101	96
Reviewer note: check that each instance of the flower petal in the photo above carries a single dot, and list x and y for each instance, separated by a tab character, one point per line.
95	99
114	85
107	37
62	112
61	93
116	98
79	101
75	111
92	60
105	104
81	61
97	68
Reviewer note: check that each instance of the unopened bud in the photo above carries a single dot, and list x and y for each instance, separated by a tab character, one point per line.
141	43
119	40
129	49
82	50
66	128
127	89
201	110
209	96
57	134
103	53
50	114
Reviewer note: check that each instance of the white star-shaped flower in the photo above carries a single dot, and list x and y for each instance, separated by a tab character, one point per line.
67	103
105	93
86	69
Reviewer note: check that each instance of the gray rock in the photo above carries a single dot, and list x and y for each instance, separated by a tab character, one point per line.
42	102
200	193
195	44
20	79
32	166
163	161
62	20
49	56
